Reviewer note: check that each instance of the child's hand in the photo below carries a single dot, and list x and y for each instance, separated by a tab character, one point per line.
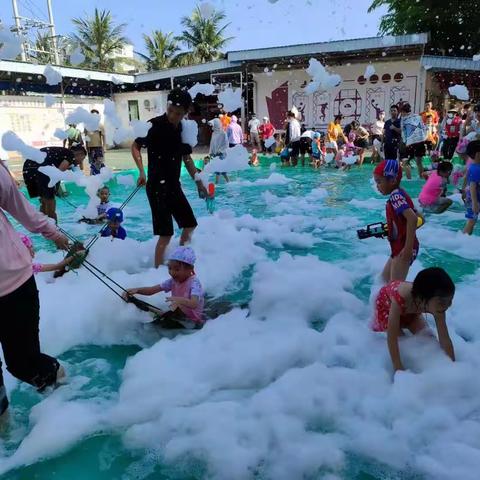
129	293
173	301
65	262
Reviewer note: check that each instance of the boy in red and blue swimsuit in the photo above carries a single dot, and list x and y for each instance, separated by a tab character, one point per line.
402	221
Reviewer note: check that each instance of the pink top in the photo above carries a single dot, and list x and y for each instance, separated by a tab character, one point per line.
432	190
15	259
187	289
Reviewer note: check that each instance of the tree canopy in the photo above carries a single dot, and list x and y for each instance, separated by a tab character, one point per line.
454	25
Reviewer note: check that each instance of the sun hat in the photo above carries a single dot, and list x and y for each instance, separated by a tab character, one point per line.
183	254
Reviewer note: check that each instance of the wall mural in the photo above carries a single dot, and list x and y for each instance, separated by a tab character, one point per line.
358	99
277	105
375	103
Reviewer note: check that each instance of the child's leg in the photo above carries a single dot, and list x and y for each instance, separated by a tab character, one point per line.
469	226
225	176
217	178
419	161
399	269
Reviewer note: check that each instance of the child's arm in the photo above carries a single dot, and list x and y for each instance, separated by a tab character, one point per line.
191	302
145	290
412	219
393	332
443	335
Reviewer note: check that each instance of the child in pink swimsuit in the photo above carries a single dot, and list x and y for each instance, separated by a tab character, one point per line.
48	267
400	305
187	300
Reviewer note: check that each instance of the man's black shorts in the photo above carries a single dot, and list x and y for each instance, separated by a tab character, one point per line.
390	151
304	146
37	182
168	203
416	150
295	146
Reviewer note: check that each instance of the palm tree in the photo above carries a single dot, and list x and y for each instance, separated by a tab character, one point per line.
203	36
99	39
42	50
162	50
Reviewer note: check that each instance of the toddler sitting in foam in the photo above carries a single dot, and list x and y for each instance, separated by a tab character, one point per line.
187	297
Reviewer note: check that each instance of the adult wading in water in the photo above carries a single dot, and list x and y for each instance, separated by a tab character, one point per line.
165	152
19	302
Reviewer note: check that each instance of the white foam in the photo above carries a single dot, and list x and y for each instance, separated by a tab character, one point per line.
50	100
52	75
459	91
204	88
11	44
231	99
321	79
80	115
190	132
11	142
369	71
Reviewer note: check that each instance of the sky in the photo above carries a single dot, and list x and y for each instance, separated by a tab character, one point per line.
254	23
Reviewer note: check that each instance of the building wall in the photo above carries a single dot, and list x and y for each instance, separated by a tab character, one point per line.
34	123
356	99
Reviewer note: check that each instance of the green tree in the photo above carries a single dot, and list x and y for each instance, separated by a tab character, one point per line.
42	51
99	39
162	50
454	25
203	35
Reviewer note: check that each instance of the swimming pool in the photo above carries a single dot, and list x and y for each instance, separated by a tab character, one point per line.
289	384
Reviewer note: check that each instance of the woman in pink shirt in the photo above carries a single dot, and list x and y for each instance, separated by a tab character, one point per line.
19	302
432	197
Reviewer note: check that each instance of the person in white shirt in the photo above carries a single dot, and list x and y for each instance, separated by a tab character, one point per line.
294	132
377	136
253	125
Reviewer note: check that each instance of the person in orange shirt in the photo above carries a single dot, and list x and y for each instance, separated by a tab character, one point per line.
429	111
335	133
225	119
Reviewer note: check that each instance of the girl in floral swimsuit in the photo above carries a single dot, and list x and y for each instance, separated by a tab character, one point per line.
400	305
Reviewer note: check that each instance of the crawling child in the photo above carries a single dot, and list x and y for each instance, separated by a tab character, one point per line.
187	297
401	305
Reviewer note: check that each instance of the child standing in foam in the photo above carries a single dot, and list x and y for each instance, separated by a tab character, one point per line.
402	220
400	305
432	197
43	267
218	145
187	300
472	194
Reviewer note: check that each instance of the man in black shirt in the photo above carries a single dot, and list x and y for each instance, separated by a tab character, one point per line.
37	182
392	135
165	152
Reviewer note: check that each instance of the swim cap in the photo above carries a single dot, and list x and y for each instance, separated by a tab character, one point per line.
183	254
115	215
389	169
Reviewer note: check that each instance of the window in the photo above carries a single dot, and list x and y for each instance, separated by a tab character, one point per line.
133	112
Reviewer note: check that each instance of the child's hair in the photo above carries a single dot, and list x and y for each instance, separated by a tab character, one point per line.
355	124
432	282
406	107
445	167
394	106
290	114
338	117
78	148
103	188
180	98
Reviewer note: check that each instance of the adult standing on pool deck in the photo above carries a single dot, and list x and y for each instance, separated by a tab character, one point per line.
37	182
165	152
293	135
234	133
19	302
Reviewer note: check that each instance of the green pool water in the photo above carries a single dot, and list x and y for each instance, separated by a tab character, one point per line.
104	455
